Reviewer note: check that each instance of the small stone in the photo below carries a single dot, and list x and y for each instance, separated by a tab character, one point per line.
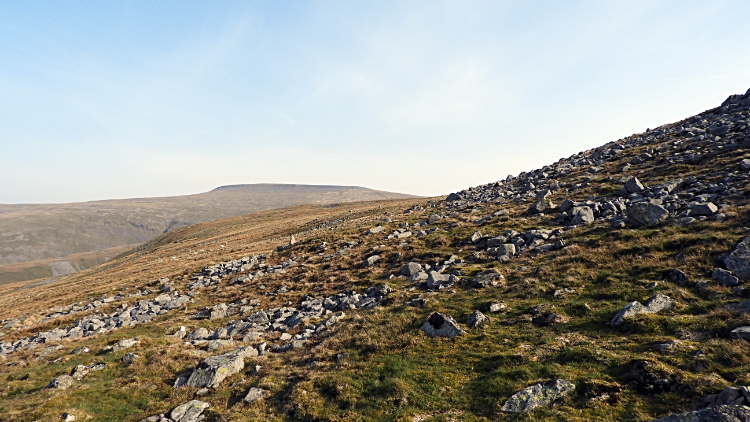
189	412
724	277
441	325
68	417
129	358
477	319
61	383
538	395
254	395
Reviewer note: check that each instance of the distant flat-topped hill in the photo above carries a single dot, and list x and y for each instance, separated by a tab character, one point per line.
44	232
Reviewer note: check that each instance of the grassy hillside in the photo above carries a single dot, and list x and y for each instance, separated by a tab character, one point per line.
43	232
578	259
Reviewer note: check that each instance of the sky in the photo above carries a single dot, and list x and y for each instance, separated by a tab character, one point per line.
126	99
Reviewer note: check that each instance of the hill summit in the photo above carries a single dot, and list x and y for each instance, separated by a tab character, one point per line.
610	285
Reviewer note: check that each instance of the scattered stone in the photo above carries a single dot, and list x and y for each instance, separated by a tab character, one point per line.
676	276
723	413
125	343
376	230
61	383
741	333
739	260
538	395
705	209
371	261
254	395
129	358
212	371
68	417
488	278
441	325
191	411
657	303
218	312
477	319
724	277
633	185
645	214
410	269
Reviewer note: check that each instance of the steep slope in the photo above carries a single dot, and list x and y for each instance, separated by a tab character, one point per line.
573	292
36	232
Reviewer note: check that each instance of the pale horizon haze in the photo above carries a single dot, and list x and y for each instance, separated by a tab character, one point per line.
133	99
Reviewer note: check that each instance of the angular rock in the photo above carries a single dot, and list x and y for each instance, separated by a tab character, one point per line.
375	230
706	209
410	269
441	325
488	278
125	343
657	303
62	382
435	280
723	413
538	395
79	372
644	214
254	395
633	185
477	319
581	215
371	261
741	333
676	276
219	311
212	371
541	206
189	412
739	260
724	277
507	249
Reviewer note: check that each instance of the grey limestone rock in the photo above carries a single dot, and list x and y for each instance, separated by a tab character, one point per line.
538	395
488	278
255	394
212	371
633	185
477	319
657	303
219	311
739	260
581	215
707	208
742	333
540	206
441	325
410	269
645	214
191	411
371	261
722	413
125	343
724	277
62	382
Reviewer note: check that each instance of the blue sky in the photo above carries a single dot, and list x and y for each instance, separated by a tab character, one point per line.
115	99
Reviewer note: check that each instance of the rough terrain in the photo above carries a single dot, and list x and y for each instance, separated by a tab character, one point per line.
610	285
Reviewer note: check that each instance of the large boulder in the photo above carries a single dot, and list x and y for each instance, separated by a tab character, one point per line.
655	304
538	395
739	260
722	413
645	214
191	411
441	325
212	371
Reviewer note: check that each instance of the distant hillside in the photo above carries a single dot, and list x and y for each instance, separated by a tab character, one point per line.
35	232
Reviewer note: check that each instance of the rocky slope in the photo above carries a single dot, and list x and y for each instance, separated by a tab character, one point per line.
610	285
37	232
